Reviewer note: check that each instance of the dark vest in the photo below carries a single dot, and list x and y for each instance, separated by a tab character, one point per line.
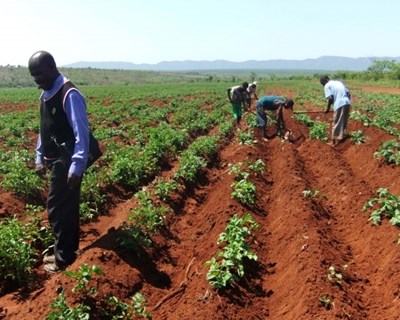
54	126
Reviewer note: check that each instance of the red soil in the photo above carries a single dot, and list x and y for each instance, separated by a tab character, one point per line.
297	241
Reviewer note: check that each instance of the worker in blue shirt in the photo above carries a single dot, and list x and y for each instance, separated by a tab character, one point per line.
276	104
63	124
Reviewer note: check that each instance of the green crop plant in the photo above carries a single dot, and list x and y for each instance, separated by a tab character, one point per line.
313	193
227	265
164	188
389	151
205	146
386	205
246	137
326	302
147	214
257	166
144	220
244	191
318	131
92	197
189	166
131	166
237	170
17	256
61	310
334	276
364	118
305	119
357	136
120	310
84	276
40	234
18	177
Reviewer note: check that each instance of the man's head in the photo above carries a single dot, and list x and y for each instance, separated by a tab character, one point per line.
43	69
289	103
324	80
245	85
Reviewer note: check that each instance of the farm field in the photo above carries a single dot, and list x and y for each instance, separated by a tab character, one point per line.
175	173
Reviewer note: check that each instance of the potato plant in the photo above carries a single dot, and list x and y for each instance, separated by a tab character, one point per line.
17	256
389	151
384	205
227	265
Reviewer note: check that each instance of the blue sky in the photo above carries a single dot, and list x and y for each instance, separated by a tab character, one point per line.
155	30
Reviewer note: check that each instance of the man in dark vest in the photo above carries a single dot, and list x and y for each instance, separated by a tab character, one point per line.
63	122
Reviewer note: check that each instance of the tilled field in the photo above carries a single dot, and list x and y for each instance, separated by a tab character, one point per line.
299	238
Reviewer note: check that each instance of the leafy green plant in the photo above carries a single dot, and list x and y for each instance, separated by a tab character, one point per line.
386	205
92	197
364	118
244	191
163	188
16	254
18	177
205	146
305	119
334	276
326	302
144	220
61	310
258	166
246	137
131	166
389	151
189	166
119	310
357	136
318	131
237	170
147	214
40	234
227	266
313	193
84	276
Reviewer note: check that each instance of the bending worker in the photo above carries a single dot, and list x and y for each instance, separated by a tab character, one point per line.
276	104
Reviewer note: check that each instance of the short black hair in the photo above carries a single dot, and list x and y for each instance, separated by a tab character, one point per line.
289	103
245	84
324	79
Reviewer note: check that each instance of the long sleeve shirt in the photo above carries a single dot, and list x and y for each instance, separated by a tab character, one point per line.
75	109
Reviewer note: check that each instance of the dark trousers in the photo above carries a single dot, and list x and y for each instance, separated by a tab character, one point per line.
63	212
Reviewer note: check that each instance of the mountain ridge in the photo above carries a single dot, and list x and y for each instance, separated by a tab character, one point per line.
331	63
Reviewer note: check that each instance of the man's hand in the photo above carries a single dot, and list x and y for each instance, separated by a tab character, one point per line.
40	170
73	180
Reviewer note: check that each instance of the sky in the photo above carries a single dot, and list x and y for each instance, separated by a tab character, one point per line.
153	31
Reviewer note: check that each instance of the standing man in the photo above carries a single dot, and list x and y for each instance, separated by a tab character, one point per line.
272	103
63	122
237	97
338	96
251	90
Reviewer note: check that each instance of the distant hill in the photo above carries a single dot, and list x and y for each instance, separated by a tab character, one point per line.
329	63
